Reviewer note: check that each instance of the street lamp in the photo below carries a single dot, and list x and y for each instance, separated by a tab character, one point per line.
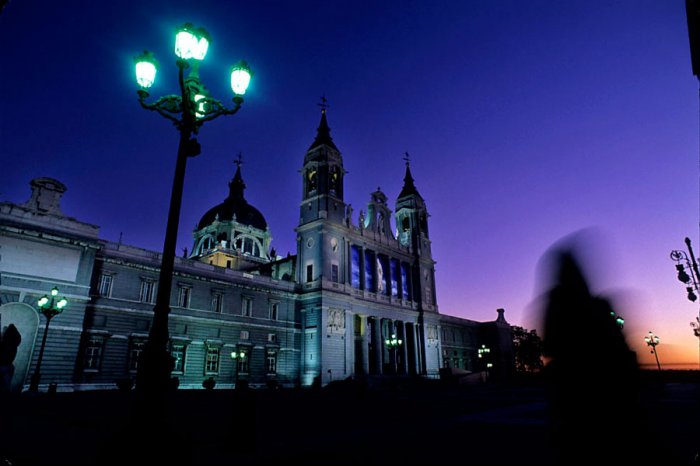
188	111
393	344
50	307
484	352
238	358
688	274
618	319
652	340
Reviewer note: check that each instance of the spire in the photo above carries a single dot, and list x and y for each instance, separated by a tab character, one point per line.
408	187
323	134
236	185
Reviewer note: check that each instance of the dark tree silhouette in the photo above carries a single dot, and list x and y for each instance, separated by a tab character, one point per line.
527	346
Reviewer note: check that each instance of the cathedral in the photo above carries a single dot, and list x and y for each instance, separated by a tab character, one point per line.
358	299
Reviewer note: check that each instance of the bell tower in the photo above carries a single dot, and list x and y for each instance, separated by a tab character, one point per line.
412	225
322	178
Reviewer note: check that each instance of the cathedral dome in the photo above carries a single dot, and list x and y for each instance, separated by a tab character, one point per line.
234	205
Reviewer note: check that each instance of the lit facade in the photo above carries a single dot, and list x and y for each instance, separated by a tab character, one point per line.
321	315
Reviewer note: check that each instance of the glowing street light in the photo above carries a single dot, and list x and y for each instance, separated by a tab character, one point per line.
652	341
50	307
392	345
238	359
188	111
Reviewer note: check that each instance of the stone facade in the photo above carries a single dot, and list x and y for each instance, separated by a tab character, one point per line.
321	315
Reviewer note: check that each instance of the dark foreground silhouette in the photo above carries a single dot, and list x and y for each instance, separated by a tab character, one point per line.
596	414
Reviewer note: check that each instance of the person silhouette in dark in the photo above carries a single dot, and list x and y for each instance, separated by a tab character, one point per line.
8	352
593	375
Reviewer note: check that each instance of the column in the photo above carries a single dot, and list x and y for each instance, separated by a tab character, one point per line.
377	345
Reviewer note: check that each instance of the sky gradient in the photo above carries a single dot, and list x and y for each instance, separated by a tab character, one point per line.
526	123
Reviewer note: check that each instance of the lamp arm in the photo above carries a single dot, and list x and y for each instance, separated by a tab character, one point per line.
216	109
168	106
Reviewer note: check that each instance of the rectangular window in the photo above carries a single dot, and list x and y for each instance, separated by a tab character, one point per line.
394	266
274	311
245	334
147	291
355	266
217	302
370	266
212	362
178	354
271	338
383	274
271	362
135	353
183	296
404	281
309	273
334	273
93	353
247	306
105	286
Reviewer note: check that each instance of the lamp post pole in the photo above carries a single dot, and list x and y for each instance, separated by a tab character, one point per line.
50	308
188	112
688	273
237	356
483	353
652	341
393	344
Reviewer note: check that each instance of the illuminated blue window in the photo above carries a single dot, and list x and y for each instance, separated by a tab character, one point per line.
355	266
370	265
383	275
404	281
395	267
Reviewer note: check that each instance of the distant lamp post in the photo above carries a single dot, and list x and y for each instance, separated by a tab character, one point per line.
689	275
50	307
238	358
484	352
652	341
618	319
393	344
188	111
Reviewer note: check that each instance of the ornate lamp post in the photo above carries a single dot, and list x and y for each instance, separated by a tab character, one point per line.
188	111
393	344
238	357
652	340
484	352
50	307
688	273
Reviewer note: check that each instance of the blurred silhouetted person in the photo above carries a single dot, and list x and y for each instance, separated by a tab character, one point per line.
595	410
8	352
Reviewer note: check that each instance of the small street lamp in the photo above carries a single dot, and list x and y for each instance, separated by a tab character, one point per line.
238	358
50	307
484	352
689	275
188	111
393	344
618	319
652	341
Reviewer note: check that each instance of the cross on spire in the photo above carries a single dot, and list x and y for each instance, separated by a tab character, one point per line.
407	158
239	160
323	104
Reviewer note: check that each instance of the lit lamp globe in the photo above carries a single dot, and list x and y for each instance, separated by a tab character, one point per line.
146	67
191	42
240	78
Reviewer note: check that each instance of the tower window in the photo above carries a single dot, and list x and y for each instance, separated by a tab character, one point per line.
334	273
309	273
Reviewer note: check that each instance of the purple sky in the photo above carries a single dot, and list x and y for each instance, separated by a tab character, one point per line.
525	121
